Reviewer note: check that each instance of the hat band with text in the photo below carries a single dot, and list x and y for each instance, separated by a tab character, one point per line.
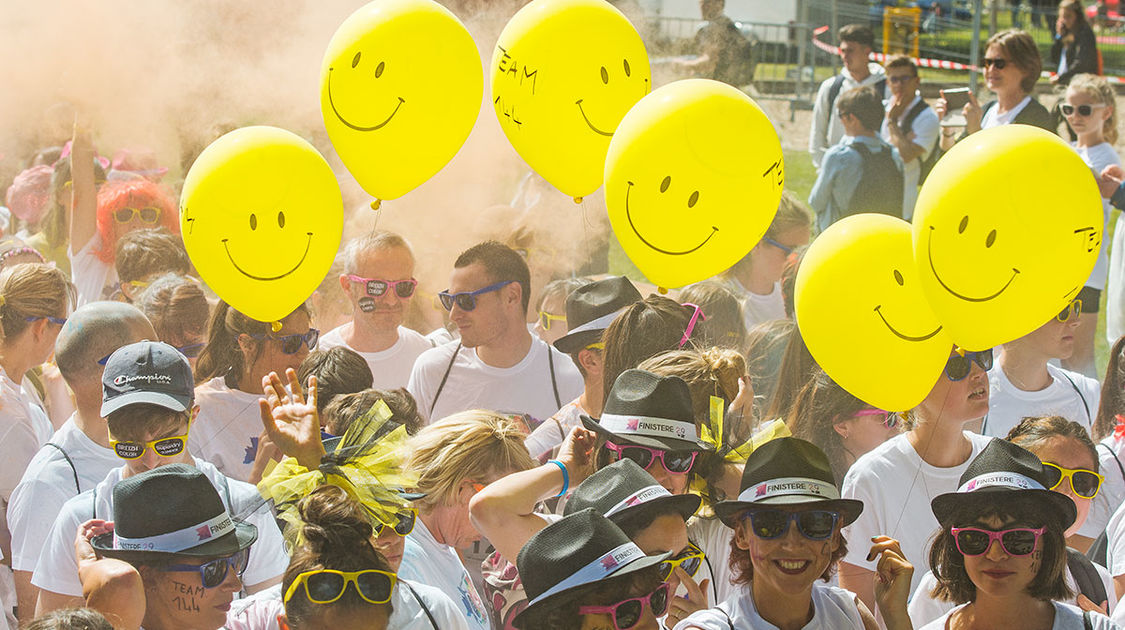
606	565
599	323
639	497
648	425
1012	480
179	540
789	486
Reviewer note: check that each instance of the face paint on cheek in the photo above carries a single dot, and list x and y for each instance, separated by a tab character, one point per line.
366	304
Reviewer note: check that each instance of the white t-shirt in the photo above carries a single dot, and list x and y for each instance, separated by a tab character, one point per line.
57	569
260	611
1113	301
758	309
993	117
1115	533
925	128
1112	493
896	486
472	384
426	561
1097	158
24	428
390	367
833	609
89	273
710	535
923	608
1067	617
226	430
48	483
1007	405
551	433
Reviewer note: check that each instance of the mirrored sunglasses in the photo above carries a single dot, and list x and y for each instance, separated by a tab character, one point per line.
958	366
164	447
974	541
215	572
627	613
813	524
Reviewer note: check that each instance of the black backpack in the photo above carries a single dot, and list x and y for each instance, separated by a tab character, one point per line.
880	187
838	83
927	164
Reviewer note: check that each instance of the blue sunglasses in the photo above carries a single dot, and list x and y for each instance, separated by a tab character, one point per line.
54	320
467	300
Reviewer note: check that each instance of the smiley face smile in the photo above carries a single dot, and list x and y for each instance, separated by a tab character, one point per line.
629	217
351	125
590	124
240	270
930	257
900	335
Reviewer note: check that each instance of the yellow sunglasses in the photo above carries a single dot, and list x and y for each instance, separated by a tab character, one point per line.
546	318
325	586
690	561
1085	483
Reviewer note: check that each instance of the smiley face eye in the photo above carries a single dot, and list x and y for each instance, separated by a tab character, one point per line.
355	60
280	219
964	224
628	72
693	199
605	75
898	277
665	183
253	222
990	239
379	69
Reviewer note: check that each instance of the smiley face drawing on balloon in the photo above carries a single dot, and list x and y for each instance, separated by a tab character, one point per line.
564	73
261	217
693	178
401	86
860	309
1006	231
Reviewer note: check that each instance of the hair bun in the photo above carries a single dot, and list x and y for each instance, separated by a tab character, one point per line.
333	522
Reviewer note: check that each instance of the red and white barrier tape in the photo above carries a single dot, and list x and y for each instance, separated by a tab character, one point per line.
923	62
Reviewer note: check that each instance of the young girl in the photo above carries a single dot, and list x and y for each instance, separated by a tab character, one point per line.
786	523
1000	550
240	352
1090	112
756	279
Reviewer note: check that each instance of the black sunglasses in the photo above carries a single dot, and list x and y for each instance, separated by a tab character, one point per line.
1083	110
959	365
404	523
291	344
214	573
999	62
813	524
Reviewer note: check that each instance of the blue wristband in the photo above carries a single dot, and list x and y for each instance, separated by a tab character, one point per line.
566	476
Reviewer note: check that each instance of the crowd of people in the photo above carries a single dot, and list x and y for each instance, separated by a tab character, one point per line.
565	452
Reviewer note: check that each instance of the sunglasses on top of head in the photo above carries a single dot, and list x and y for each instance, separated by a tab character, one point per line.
958	366
467	300
291	344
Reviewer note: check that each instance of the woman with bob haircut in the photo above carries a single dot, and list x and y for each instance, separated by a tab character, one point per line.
1001	550
786	523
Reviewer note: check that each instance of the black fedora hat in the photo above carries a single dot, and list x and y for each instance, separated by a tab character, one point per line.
788	471
172	510
623	489
582	548
649	410
999	471
591	308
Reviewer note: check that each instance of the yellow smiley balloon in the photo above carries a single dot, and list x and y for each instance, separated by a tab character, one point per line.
401	86
1006	231
693	179
564	73
261	217
861	312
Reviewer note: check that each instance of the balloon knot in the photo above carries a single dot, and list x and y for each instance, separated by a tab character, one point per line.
375	204
577	200
275	326
662	290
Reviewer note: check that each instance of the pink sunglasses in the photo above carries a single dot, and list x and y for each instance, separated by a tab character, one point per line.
890	418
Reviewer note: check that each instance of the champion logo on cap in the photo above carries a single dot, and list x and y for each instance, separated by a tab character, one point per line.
787	486
125	379
1012	480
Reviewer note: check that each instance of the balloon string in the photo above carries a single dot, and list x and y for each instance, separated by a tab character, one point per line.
917	472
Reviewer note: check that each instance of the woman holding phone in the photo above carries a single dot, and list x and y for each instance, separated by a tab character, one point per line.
1011	68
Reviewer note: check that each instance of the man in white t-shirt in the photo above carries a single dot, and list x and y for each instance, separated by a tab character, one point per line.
148	403
589	311
856	44
497	364
379	281
78	455
1023	383
911	126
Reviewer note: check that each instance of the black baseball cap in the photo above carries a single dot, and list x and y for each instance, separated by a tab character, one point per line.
149	372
